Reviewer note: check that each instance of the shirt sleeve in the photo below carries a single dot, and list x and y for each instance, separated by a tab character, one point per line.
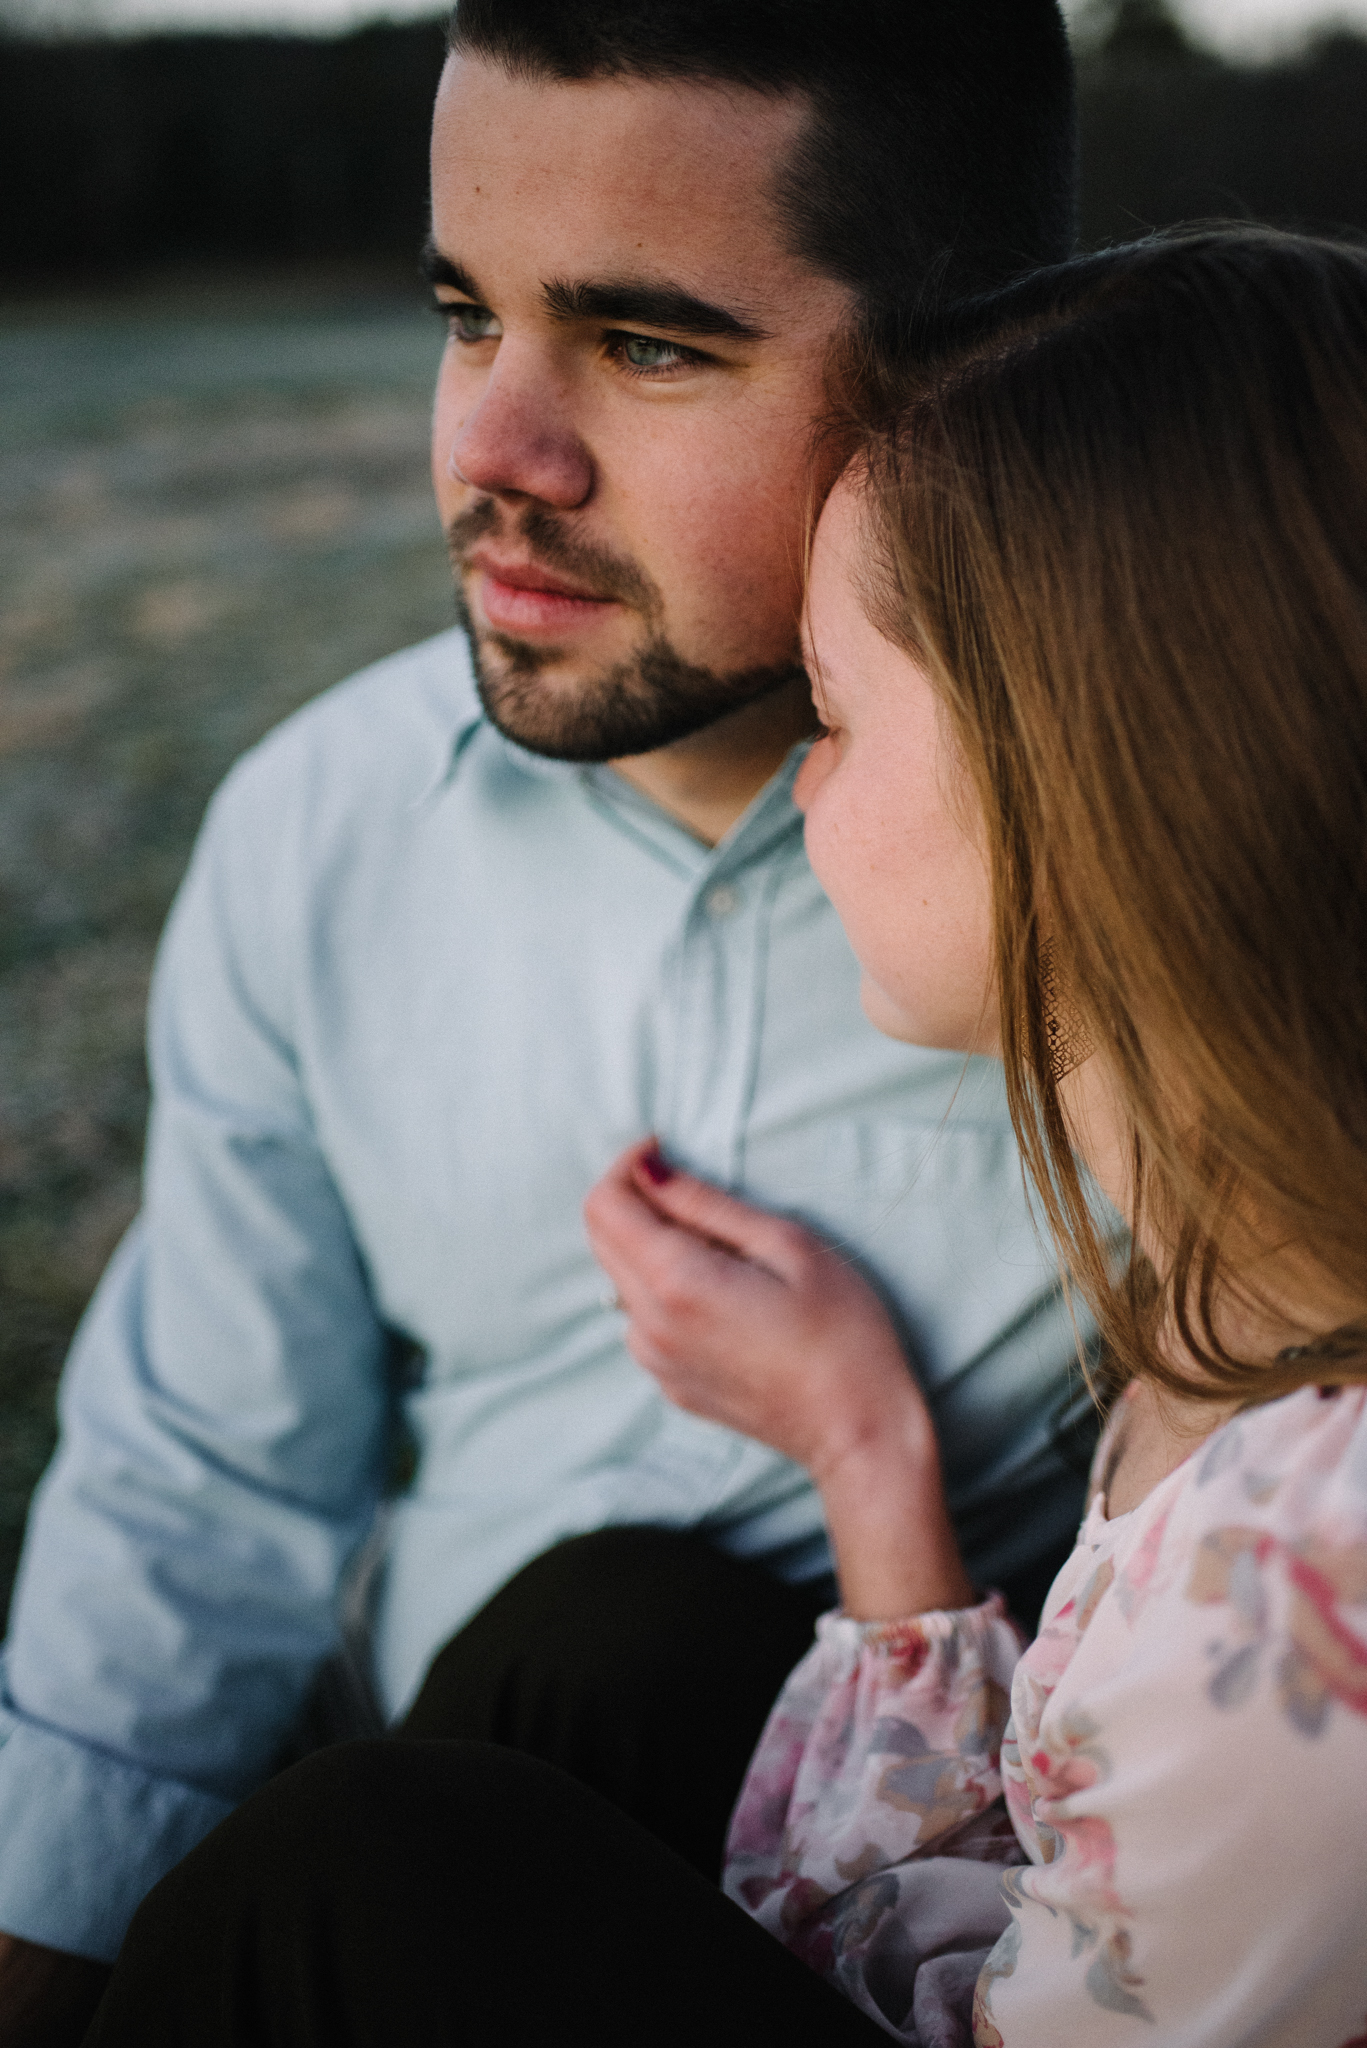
223	1422
870	1834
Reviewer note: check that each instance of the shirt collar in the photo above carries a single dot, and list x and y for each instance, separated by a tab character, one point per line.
770	816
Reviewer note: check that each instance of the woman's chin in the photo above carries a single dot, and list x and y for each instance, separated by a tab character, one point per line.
890	1018
915	1027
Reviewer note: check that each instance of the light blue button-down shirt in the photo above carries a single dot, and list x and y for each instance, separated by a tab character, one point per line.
418	990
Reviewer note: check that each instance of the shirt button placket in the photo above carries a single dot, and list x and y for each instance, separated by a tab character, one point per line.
719	994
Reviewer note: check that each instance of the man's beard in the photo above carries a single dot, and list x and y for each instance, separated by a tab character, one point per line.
639	704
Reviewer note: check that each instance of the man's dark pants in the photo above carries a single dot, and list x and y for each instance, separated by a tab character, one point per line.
534	1856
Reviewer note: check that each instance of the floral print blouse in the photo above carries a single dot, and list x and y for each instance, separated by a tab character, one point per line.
1150	1826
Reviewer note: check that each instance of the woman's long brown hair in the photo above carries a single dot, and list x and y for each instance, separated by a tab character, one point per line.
1123	520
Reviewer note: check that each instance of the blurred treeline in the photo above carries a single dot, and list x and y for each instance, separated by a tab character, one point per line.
122	154
1171	132
119	154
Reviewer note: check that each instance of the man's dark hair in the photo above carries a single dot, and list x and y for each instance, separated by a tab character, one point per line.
941	157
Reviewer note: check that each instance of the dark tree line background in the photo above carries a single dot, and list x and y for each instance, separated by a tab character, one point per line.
121	154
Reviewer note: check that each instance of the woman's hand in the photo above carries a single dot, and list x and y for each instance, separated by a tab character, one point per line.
752	1321
749	1319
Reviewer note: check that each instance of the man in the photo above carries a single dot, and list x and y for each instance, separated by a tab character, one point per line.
452	939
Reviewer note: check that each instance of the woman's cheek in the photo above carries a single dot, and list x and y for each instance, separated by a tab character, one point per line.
873	916
845	858
820	802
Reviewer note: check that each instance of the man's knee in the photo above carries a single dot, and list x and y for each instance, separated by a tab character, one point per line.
632	1611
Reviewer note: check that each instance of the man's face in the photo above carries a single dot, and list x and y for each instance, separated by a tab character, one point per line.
623	417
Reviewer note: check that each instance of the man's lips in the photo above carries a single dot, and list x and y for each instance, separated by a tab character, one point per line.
524	598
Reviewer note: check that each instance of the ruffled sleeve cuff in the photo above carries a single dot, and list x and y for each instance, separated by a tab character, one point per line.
884	1742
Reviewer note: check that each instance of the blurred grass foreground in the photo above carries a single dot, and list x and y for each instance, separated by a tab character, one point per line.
214	497
214	503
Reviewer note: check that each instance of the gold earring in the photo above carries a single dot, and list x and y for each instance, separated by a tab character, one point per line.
1064	1031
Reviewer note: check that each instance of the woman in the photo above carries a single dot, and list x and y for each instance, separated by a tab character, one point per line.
1089	634
1088	628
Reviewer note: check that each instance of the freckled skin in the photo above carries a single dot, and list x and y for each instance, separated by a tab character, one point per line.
890	825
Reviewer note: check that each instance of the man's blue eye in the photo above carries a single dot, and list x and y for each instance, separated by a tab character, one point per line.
643	354
474	323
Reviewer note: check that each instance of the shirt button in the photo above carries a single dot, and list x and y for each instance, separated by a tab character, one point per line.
721	901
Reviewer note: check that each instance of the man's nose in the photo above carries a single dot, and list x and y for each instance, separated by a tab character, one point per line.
519	439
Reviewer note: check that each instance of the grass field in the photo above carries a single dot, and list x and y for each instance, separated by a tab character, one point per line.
213	503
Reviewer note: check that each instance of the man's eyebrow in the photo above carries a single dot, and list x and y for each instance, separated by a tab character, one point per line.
636	302
439	269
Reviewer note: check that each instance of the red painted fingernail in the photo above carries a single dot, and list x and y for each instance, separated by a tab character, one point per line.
656	1167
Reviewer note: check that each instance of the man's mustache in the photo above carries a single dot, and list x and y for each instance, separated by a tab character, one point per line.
547	540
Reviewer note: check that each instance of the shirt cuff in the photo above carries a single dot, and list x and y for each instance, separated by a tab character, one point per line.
84	1837
936	1625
